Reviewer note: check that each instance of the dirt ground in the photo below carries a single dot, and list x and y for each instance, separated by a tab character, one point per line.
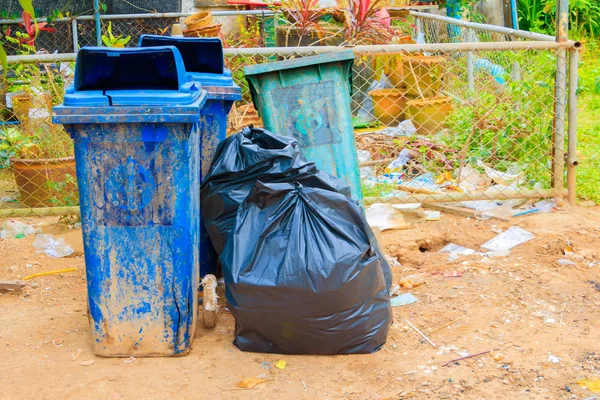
523	307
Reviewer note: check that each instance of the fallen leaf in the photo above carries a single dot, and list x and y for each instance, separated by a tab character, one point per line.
593	385
249	383
280	364
87	363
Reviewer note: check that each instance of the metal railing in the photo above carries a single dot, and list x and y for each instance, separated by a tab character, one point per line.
476	113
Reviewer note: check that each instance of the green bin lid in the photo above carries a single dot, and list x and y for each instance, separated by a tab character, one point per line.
257	69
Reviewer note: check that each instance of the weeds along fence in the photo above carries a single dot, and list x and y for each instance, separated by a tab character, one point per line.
474	112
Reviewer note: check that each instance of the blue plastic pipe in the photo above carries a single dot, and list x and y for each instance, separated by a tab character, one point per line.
495	70
515	17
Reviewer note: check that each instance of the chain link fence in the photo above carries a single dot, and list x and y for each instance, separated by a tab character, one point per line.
70	34
469	115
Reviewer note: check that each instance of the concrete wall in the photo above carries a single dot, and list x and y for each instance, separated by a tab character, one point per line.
493	11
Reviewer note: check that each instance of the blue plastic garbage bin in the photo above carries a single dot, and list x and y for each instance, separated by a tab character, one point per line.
134	118
205	63
308	98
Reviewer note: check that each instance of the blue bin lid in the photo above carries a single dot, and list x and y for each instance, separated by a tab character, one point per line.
130	77
203	57
345	55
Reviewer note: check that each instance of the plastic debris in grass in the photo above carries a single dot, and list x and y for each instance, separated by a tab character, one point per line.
384	217
513	176
423	182
431	215
52	246
403	300
404	128
18	229
508	239
365	172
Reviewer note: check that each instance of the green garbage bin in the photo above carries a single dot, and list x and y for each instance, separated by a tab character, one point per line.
309	98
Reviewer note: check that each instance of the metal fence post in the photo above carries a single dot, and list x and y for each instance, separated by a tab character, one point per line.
97	19
572	133
75	35
470	63
560	97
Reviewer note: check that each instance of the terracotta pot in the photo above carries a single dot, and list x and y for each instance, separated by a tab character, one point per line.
176	30
394	69
200	20
211	31
429	115
389	105
35	179
423	75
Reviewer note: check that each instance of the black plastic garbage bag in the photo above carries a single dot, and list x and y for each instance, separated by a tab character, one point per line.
303	275
239	162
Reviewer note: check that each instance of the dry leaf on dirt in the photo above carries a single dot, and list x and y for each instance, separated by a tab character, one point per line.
249	383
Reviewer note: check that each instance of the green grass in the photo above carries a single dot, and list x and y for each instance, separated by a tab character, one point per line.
588	174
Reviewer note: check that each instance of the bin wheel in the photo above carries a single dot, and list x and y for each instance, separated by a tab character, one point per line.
210	305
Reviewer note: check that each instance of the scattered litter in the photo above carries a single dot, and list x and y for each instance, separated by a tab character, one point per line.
550	321
453	257
408	282
365	172
280	364
501	253
593	385
425	182
11	285
56	272
545	206
8	199
513	176
471	180
421	333
76	356
453	274
465	358
86	363
399	162
512	237
17	229
384	217
403	300
553	359
445	325
129	360
265	365
249	383
404	128
393	290
431	215
52	246
393	261
456	249
563	261
500	211
496	355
